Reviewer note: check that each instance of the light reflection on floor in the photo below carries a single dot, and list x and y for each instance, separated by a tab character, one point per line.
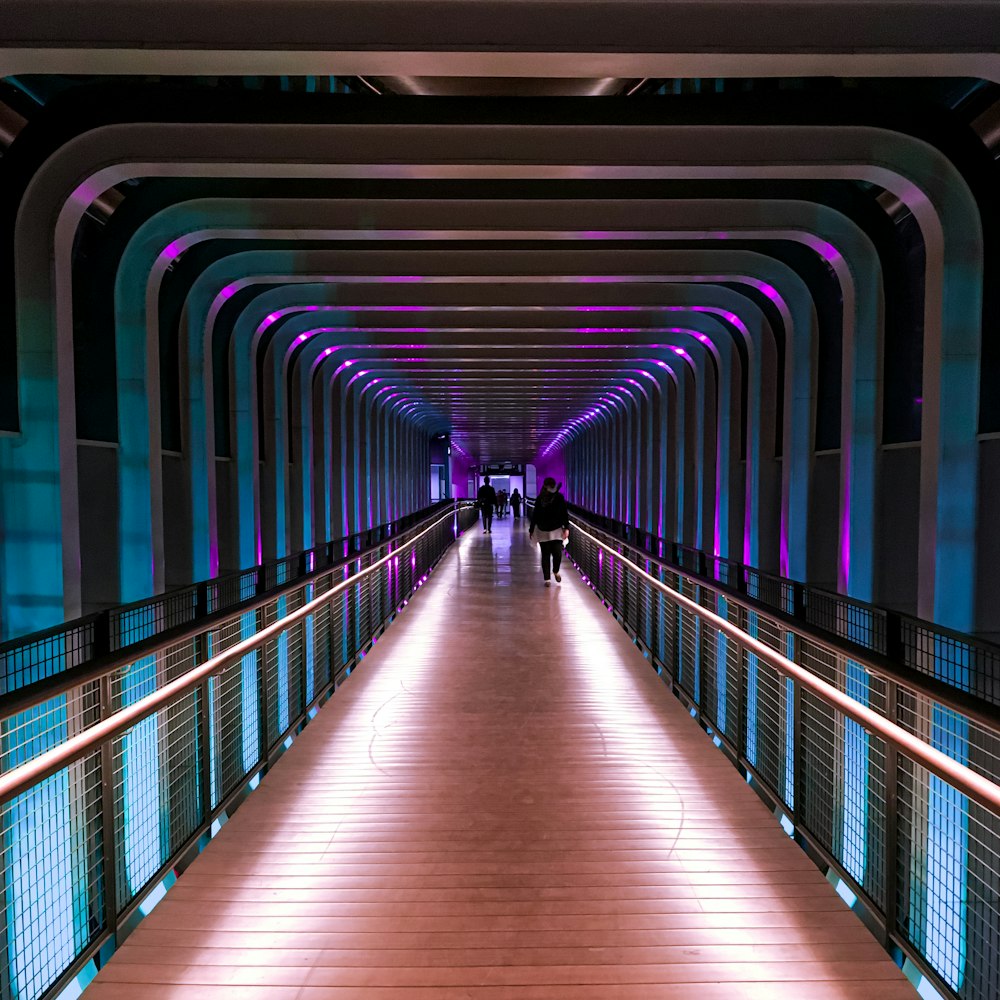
502	801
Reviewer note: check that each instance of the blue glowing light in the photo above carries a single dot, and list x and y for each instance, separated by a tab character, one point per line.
845	892
752	670
248	682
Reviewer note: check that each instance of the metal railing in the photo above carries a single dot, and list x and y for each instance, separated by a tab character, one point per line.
113	777
36	657
886	778
963	662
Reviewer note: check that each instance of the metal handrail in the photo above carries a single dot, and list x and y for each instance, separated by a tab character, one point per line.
26	775
100	646
49	687
942	692
893	636
964	779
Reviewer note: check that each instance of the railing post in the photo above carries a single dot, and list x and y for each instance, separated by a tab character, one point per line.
798	776
201	601
102	634
890	848
109	840
743	695
205	742
262	698
798	601
203	653
895	648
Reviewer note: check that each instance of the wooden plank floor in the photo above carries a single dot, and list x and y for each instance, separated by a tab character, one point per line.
503	801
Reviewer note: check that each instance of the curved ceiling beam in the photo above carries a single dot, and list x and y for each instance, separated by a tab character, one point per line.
678	304
483	378
945	443
315	349
205	299
838	241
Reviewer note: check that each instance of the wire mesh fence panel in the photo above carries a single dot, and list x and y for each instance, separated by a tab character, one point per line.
981	972
620	574
818	761
373	598
948	872
182	759
645	628
298	641
852	620
773	715
957	660
178	659
960	737
296	656
275	658
34	658
707	689
340	657
942	893
876	825
235	696
309	640
688	645
406	566
720	678
133	624
27	734
948	878
712	691
137	779
112	821
361	624
631	598
685	645
137	836
731	707
234	738
53	864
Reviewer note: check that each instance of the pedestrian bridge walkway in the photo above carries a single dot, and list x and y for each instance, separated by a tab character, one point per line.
503	801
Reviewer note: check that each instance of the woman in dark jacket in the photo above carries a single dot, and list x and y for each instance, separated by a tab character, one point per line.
549	526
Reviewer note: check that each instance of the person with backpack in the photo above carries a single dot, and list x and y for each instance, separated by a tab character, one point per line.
550	527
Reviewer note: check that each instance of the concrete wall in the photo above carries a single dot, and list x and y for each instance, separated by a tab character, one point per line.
98	485
897	514
177	521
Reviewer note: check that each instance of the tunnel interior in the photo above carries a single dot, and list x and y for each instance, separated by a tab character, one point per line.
280	283
603	278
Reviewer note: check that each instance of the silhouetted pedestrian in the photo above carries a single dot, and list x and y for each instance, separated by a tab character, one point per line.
487	499
515	502
549	527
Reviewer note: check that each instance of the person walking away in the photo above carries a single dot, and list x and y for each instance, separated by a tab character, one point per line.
487	497
515	502
549	526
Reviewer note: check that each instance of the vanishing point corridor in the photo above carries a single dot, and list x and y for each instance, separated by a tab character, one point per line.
503	800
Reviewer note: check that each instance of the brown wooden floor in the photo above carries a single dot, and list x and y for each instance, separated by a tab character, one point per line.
503	801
